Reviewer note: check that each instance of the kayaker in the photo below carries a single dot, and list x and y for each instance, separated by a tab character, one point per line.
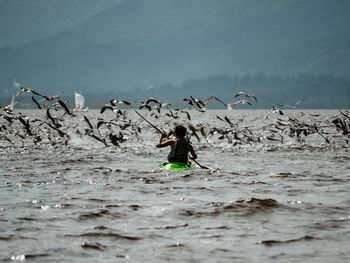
180	147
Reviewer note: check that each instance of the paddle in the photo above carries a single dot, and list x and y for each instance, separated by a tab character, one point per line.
162	132
155	127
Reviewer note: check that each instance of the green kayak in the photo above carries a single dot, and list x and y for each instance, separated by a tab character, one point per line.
176	166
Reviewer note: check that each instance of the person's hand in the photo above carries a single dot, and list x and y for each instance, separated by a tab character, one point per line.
164	135
190	157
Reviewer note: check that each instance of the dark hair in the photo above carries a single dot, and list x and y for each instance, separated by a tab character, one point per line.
180	130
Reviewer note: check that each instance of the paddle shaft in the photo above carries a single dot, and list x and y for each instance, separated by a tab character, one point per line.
155	127
162	132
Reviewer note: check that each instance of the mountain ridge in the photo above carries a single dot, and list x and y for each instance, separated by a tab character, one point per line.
152	42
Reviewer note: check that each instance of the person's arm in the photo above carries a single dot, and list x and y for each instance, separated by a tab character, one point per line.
193	154
162	144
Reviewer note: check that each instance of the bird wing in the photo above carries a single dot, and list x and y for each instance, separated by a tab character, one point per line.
208	99
240	93
221	101
88	122
37	103
64	106
19	92
104	107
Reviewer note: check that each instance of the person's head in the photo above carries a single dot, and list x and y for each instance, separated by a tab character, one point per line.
180	131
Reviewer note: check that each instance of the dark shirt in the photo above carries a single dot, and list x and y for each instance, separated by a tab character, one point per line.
180	151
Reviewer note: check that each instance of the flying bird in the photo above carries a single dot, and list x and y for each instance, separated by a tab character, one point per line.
246	95
27	90
274	110
37	103
9	108
98	139
187	114
153	100
88	122
225	104
26	125
292	106
145	105
50	98
113	102
52	119
208	99
110	107
64	106
240	102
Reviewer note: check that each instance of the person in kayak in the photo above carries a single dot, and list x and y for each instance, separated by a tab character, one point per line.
180	147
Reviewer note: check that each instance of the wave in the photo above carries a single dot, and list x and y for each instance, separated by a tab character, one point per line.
95	246
108	235
245	207
172	227
101	213
280	242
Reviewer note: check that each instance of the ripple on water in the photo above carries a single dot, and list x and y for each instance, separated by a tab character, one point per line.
247	207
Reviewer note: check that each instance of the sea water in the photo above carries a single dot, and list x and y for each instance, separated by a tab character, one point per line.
261	200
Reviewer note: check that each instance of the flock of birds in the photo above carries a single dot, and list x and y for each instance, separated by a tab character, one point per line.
56	126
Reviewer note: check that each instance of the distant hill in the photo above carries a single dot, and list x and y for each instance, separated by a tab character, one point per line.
24	21
147	43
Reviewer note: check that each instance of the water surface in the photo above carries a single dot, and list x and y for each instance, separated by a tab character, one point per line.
264	199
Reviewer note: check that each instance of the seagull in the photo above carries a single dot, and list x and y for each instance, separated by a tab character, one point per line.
201	104
172	114
113	102
219	118
49	98
208	99
187	114
100	122
234	104
64	106
109	107
98	139
274	110
9	108
203	132
52	119
37	103
153	100
61	133
156	107
316	129
345	115
292	106
26	125
9	118
194	132
114	139
198	102
189	101
145	105
27	90
229	122
225	104
88	122
246	95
